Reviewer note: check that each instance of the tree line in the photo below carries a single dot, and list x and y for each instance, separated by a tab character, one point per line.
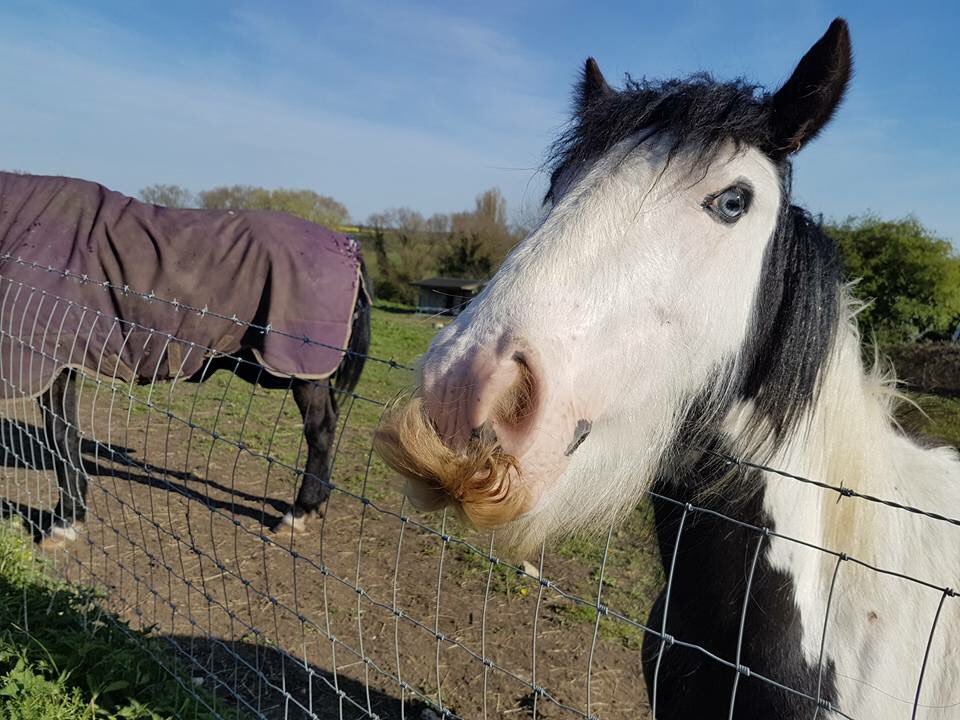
468	244
908	277
306	204
400	244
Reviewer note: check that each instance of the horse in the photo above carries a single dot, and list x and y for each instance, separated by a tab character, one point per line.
674	327
94	282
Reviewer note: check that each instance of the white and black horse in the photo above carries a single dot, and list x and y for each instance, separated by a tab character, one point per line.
671	307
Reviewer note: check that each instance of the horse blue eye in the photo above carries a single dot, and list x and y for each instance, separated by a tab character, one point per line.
730	204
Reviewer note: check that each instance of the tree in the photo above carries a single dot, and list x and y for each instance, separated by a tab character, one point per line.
486	226
406	249
465	257
235	197
469	244
172	196
309	205
305	204
911	276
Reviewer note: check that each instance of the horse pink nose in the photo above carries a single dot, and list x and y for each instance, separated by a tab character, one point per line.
486	390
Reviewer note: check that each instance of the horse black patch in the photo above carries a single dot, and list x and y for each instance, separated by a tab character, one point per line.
795	320
708	591
579	435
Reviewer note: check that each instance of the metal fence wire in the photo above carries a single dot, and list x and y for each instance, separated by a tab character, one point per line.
376	611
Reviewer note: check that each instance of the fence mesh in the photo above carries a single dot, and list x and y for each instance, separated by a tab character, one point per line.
376	610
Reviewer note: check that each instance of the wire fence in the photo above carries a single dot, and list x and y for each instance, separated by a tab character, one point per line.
377	610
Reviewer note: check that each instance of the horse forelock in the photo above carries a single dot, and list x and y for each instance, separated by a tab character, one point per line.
699	113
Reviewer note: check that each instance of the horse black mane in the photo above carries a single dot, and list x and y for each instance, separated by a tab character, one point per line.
699	113
796	317
796	312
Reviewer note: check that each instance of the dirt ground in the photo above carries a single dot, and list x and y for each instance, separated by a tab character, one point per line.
375	611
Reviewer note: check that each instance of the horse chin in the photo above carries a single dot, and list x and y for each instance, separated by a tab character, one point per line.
487	486
480	477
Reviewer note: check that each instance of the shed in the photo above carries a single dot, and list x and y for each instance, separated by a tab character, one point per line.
446	296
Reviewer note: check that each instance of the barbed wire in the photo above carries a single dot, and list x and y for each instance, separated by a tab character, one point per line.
134	520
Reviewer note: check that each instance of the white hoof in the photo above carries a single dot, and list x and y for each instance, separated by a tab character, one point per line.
64	533
58	536
297	524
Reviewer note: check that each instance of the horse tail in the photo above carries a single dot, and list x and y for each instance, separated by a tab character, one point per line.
348	374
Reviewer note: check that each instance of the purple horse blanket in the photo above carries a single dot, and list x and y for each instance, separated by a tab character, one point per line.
95	280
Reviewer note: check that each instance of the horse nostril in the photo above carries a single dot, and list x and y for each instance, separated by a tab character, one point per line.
516	406
484	434
485	396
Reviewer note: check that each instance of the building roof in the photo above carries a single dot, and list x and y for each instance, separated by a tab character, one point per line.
450	283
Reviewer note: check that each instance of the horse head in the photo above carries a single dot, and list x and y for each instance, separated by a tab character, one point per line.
668	277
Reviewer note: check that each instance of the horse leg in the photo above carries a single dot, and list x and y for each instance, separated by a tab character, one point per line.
318	406
61	418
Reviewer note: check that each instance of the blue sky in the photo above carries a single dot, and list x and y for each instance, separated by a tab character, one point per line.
385	104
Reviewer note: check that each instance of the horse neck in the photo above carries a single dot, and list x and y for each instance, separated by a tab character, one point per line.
846	440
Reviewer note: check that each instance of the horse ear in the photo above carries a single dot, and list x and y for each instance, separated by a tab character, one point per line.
593	86
807	101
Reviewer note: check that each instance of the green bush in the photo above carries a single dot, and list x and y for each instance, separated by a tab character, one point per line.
389	289
909	276
466	257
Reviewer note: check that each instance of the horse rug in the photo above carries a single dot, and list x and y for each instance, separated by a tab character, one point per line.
94	280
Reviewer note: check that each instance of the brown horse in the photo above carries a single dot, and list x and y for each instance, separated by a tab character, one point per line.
94	282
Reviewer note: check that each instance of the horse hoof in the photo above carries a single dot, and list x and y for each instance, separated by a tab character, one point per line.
290	522
58	536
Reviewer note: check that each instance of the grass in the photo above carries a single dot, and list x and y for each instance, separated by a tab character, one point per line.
63	658
268	420
632	577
